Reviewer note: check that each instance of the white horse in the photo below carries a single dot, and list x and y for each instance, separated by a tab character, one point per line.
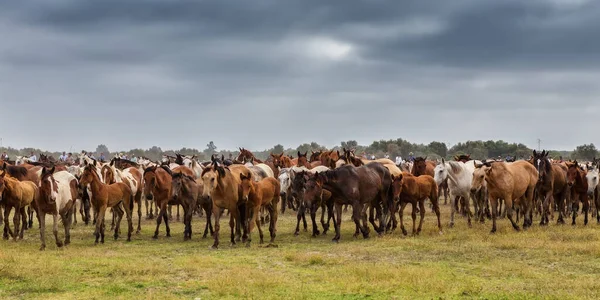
594	190
191	163
19	160
59	188
460	176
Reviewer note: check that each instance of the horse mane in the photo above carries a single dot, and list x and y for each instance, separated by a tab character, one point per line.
15	171
149	169
166	168
455	166
182	175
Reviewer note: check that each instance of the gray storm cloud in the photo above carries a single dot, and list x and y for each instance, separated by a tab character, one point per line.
257	73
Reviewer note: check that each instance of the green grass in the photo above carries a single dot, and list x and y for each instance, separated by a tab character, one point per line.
545	263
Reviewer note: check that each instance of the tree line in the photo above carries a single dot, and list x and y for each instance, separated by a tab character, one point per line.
398	147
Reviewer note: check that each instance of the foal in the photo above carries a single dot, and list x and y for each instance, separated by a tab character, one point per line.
17	194
264	193
103	196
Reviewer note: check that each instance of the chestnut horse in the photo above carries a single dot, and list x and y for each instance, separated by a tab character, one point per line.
329	158
510	182
552	185
222	185
281	161
103	196
407	188
303	161
422	166
576	179
58	195
157	187
17	194
264	193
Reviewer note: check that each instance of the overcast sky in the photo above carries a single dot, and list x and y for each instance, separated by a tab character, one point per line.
257	73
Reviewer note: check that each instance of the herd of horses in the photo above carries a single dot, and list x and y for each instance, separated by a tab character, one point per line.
253	192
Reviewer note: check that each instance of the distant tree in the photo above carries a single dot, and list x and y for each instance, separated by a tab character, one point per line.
352	144
102	149
303	148
438	148
210	149
586	151
278	149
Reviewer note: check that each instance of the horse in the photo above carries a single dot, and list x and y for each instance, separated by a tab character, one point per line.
103	196
577	182
312	196
296	189
204	203
315	156
329	158
552	185
185	190
594	189
480	196
422	166
510	182
264	193
247	156
222	185
459	176
157	188
408	188
281	161
58	195
17	194
130	176
303	161
361	187
285	182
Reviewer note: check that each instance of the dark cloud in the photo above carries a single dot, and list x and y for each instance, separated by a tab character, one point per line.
254	74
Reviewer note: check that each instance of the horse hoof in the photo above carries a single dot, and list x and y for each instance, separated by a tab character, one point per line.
451	225
296	233
168	235
59	244
214	247
335	241
155	237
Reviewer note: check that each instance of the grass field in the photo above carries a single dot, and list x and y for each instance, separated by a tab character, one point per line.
553	262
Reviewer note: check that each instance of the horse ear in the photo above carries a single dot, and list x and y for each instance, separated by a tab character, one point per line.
52	170
222	157
299	154
425	158
338	152
443	161
393	177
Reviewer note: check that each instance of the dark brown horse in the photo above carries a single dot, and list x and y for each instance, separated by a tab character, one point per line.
552	186
315	156
577	181
362	187
422	166
309	190
185	191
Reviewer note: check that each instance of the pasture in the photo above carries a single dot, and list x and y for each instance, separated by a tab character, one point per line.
558	261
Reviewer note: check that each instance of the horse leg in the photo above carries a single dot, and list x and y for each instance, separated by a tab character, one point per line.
546	208
23	220
597	204
258	224
59	243
43	230
313	217
337	222
170	213
118	214
304	217
31	211
575	209
100	223
273	221
74	212
454	210
67	221
401	215
586	207
138	200
177	213
323	224
7	231
233	216
509	212
159	218
422	217
167	227
16	220
299	218
217	213
494	204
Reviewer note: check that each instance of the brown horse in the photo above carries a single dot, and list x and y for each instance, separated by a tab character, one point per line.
577	181
185	191
329	158
512	182
222	185
552	185
17	194
108	195
315	156
407	188
204	203
247	156
422	166
281	160
361	187
264	193
157	187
